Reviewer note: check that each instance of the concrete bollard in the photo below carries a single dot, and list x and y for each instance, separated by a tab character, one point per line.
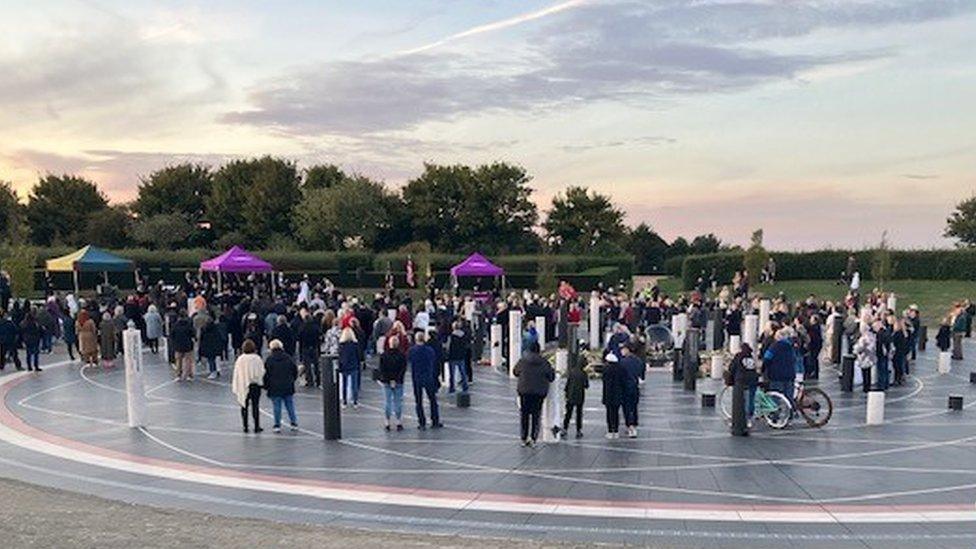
735	344
955	403
892	303
836	337
923	337
708	400
540	327
718	366
876	404
495	356
552	405
677	365
972	377
594	323
514	340
692	361
750	331
462	399
135	390
945	362
765	307
331	416
847	374
679	329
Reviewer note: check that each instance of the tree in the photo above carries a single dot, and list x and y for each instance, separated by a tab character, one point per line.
755	257
457	208
647	247
109	227
182	189
254	197
322	176
679	247
59	208
581	222
12	221
354	213
163	231
882	268
705	244
961	225
18	261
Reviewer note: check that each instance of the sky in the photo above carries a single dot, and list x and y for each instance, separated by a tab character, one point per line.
824	122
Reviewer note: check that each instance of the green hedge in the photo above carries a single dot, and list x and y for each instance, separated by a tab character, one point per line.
829	264
673	265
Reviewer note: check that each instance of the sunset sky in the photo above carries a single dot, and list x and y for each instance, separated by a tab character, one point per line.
824	122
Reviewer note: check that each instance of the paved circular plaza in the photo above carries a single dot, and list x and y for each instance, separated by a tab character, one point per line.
684	480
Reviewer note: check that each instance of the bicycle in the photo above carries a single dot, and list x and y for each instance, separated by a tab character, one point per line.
773	407
813	404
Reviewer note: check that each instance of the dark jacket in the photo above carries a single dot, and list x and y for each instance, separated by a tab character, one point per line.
943	340
635	372
30	332
280	373
284	334
8	332
393	366
614	380
350	356
310	334
577	382
740	372
534	374
733	322
779	361
423	366
211	346
457	346
182	334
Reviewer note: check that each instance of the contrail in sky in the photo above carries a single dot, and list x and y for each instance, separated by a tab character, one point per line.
499	25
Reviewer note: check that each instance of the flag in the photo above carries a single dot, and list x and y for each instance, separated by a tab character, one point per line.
411	281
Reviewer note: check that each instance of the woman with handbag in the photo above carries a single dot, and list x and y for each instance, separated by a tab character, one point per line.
393	367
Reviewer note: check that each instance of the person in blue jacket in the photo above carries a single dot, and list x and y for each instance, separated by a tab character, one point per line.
423	373
634	368
779	363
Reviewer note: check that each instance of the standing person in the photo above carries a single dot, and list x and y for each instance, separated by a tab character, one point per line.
779	363
534	376
182	336
916	330
743	370
634	368
393	368
900	345
958	331
423	372
577	382
883	350
970	309
280	373
943	339
866	355
42	317
87	338
9	332
246	384
31	333
309	341
211	347
70	335
614	381
814	346
458	348
350	366
107	341
154	328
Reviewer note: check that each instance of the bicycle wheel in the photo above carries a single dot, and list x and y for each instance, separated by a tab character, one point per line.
725	402
815	407
779	416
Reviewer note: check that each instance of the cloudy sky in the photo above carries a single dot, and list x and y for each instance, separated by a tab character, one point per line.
824	122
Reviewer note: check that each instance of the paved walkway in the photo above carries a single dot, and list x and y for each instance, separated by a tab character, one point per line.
684	481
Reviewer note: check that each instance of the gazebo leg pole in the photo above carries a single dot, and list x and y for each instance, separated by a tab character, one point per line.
274	292
220	282
105	274
75	273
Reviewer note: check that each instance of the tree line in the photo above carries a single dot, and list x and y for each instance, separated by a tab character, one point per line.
271	203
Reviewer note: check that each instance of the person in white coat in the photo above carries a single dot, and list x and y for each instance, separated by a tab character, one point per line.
247	382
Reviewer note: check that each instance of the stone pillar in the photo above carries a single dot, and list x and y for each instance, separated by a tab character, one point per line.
892	302
836	337
540	326
331	416
679	327
495	354
514	340
692	360
735	344
750	331
135	390
764	308
594	321
718	335
552	406
718	366
876	405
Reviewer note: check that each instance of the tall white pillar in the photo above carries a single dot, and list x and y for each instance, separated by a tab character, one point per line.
892	302
710	335
718	366
735	344
469	310
679	327
496	346
540	327
594	321
552	407
514	340
876	406
391	314
764	309
750	331
135	390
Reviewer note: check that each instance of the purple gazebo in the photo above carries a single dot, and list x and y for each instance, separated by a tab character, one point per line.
476	265
237	260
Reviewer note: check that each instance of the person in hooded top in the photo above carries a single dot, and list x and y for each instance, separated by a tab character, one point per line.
614	382
247	382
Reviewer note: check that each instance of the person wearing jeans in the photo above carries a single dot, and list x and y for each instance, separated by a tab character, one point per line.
534	376
423	372
31	334
280	373
350	366
393	367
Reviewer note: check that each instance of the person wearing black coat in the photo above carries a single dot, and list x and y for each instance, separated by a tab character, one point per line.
733	321
634	368
211	347
280	373
393	368
577	382
458	348
182	336
283	333
743	370
309	342
9	332
943	340
900	345
614	381
534	376
31	333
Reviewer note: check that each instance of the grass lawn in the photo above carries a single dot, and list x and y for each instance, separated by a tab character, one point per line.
934	297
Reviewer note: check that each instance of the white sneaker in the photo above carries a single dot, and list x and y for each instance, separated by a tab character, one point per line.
213	375
632	432
611	436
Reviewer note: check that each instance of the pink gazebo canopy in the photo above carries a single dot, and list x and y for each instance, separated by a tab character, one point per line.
476	265
236	260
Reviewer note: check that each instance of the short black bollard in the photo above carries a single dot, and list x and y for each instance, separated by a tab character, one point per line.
955	403
677	365
463	399
740	427
330	400
923	337
847	374
972	377
692	340
708	400
836	340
